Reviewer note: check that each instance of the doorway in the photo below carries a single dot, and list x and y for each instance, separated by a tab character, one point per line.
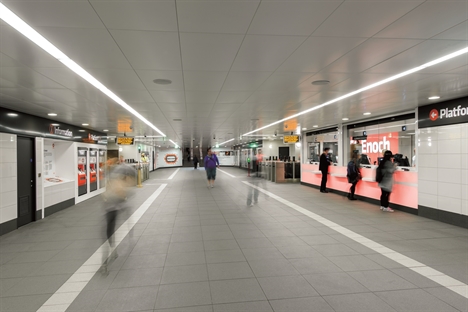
283	152
26	180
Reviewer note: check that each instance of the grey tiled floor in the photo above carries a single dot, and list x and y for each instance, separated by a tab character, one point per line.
201	249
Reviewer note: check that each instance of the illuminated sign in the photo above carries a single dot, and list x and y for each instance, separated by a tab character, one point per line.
289	139
444	113
170	158
57	131
125	141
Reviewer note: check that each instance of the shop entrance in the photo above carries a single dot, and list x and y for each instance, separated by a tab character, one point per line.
26	181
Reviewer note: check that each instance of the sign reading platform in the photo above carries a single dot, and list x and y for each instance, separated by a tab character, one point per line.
290	139
125	141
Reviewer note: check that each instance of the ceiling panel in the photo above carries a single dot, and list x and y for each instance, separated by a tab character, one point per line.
364	18
149	49
209	52
137	15
233	97
318	52
245	81
282	18
148	77
231	17
265	53
28	78
204	97
168	96
420	22
204	80
457	32
284	81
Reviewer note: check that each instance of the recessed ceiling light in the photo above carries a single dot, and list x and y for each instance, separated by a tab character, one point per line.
85	124
304	128
55	125
315	126
81	130
345	118
320	82
105	130
367	113
12	114
52	114
162	81
434	97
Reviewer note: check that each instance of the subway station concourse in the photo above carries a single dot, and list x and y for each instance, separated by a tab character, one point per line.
111	112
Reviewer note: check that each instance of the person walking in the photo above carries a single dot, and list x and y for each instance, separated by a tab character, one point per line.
195	161
387	168
353	175
323	166
210	162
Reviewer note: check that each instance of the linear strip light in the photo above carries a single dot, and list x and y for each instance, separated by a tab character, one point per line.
17	23
226	142
381	82
176	146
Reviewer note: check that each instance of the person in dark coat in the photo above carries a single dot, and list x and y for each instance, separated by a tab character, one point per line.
195	161
386	185
353	175
323	166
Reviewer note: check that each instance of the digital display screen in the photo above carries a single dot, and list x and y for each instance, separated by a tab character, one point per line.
125	141
288	139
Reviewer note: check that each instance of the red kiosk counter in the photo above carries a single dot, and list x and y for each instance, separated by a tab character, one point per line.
405	189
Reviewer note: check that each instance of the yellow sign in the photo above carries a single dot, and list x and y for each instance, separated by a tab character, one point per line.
289	139
125	141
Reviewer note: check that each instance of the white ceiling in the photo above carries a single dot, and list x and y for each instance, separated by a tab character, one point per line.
235	65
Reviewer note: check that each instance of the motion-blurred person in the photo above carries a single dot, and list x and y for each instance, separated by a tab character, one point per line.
195	161
323	166
387	168
353	175
211	162
118	190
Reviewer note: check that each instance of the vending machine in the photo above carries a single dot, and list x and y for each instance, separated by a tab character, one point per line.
93	169
82	169
102	168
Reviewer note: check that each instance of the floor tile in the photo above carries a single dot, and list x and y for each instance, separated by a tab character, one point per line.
137	278
224	244
183	295
357	302
23	303
257	306
222	271
219	256
144	261
335	284
314	265
129	299
186	247
381	280
414	300
185	258
301	304
37	285
284	287
238	290
355	263
273	267
184	274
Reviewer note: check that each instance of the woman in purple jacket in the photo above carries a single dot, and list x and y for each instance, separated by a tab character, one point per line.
210	162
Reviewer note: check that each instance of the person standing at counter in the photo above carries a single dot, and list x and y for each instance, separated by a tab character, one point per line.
387	168
211	162
354	175
323	166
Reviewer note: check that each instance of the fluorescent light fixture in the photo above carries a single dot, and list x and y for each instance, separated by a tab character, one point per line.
105	130
17	23
304	128
434	97
85	124
50	114
315	126
12	115
55	125
226	141
81	130
367	113
371	86
345	119
176	146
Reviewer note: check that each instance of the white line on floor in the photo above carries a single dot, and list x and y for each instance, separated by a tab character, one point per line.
173	175
227	173
418	267
65	295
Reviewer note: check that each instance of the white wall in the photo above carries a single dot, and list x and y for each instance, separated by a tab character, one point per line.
8	177
274	150
443	168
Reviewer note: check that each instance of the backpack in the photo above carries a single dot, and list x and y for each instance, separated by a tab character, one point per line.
378	174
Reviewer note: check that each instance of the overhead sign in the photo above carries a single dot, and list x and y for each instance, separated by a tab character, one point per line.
125	141
290	139
444	113
57	131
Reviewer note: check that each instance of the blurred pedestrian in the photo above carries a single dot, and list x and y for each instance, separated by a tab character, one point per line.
118	190
387	168
195	161
211	162
323	166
